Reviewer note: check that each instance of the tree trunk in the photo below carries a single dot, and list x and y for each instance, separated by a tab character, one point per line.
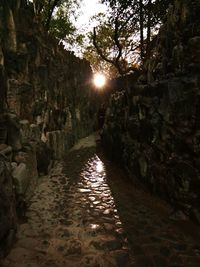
141	29
148	26
50	12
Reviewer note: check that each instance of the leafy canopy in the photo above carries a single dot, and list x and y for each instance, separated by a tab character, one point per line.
57	17
123	39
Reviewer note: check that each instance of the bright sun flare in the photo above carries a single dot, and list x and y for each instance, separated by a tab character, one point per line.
99	80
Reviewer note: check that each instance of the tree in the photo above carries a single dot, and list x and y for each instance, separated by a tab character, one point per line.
133	23
104	35
57	18
61	25
98	64
113	41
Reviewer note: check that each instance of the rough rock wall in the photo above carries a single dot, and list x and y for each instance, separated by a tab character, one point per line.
153	128
7	205
46	84
45	102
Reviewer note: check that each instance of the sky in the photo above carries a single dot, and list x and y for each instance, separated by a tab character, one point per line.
88	9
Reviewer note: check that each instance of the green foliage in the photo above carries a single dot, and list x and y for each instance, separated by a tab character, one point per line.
57	17
158	7
123	40
60	25
104	38
97	63
116	40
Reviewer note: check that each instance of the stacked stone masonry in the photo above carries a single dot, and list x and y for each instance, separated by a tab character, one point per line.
45	105
152	127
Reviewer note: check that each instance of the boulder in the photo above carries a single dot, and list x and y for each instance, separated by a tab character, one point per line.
21	178
34	133
25	130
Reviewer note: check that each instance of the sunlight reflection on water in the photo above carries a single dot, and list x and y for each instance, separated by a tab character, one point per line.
97	192
99	166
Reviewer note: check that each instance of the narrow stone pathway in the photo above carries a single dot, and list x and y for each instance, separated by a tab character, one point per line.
86	213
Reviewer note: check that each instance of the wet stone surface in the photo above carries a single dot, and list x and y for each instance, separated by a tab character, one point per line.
86	214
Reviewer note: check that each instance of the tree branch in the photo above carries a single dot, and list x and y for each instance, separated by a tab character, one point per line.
116	61
126	21
99	51
116	39
50	12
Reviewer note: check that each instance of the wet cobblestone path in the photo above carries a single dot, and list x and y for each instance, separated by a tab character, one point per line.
87	213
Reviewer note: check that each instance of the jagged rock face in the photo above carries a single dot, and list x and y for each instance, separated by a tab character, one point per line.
155	133
176	47
45	102
46	90
44	83
8	217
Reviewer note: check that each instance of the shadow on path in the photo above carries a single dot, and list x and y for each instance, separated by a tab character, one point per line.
155	240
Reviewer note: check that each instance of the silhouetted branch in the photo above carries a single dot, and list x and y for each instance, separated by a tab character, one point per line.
116	61
99	51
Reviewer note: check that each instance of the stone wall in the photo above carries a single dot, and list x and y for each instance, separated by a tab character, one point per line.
44	83
7	205
45	103
153	127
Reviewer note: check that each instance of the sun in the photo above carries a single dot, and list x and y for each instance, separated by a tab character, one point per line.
99	80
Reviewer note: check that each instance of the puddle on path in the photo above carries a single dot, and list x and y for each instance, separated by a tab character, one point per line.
93	200
97	195
94	218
